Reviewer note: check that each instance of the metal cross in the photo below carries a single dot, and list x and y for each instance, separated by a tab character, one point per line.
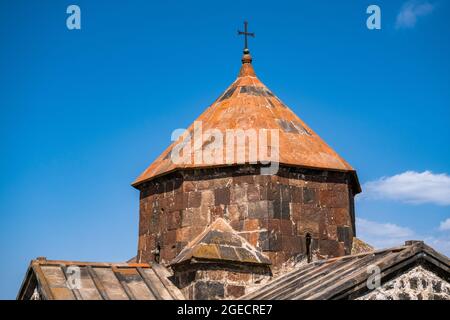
245	33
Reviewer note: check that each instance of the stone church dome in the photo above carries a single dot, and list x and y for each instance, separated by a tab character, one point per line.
248	104
210	186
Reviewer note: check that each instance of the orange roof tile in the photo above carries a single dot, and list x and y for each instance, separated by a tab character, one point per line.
249	104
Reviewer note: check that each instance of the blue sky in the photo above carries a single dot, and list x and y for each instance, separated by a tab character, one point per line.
83	112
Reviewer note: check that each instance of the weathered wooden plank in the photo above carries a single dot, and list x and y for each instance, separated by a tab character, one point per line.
386	275
438	264
97	282
28	284
136	283
383	264
92	264
294	278
313	276
285	285
154	285
124	284
163	275
278	282
437	256
57	282
75	291
42	282
360	281
330	276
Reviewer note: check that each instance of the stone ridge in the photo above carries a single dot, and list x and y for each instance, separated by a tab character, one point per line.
360	246
220	241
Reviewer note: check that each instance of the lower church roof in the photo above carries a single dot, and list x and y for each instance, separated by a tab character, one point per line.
337	278
347	277
58	280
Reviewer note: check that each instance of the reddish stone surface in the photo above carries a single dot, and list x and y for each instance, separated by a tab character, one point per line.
211	281
274	213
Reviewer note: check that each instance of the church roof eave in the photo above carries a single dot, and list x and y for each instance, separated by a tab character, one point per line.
356	186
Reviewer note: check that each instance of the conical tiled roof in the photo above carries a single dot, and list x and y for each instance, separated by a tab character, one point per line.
249	104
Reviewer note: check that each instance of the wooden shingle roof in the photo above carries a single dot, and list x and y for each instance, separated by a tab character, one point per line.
346	277
55	280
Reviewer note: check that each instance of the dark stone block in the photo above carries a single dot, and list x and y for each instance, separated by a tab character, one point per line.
285	210
296	195
275	209
270	241
424	283
344	235
242	179
228	253
253	193
404	296
169	238
244	255
285	193
173	220
258	210
287	227
208	290
217	211
309	195
163	202
413	283
222	196
330	248
281	209
326	198
218	237
185	278
273	191
437	286
180	201
194	199
291	244
235	291
315	244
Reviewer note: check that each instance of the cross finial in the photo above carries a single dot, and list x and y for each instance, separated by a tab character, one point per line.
246	34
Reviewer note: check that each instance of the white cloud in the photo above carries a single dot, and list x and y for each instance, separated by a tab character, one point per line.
441	244
410	11
445	225
382	235
411	187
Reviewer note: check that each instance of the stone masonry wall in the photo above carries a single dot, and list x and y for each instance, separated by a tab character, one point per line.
274	213
416	284
211	281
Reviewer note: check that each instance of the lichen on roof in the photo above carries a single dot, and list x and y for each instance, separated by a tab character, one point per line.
220	242
360	246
